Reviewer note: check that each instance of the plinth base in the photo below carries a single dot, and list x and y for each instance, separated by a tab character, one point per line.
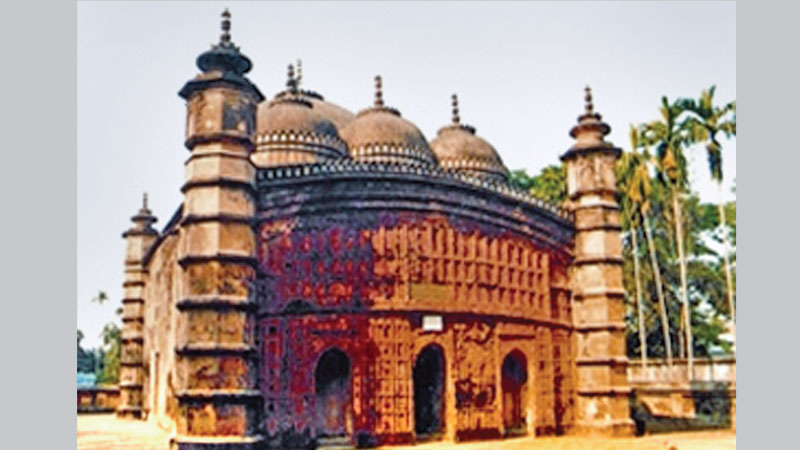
621	428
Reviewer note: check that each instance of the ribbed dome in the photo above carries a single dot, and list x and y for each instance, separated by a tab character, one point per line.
458	148
381	134
291	130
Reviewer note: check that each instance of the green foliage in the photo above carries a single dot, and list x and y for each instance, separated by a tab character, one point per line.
705	279
86	359
669	137
108	372
707	330
520	179
550	184
730	220
104	362
705	122
647	182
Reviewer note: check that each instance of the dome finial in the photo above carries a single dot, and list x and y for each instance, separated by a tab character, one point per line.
456	118
291	83
378	92
143	220
299	77
590	128
225	37
588	98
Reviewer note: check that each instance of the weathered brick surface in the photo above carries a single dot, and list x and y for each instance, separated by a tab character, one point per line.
160	327
338	275
216	367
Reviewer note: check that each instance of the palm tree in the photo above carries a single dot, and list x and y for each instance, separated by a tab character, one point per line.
639	192
707	121
100	298
626	168
669	136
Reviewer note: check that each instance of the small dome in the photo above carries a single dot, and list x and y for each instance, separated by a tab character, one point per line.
291	130
340	117
458	148
381	134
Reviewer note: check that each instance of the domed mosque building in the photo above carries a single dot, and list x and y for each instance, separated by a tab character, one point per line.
336	279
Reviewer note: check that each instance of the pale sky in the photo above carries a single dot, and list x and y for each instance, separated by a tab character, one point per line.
518	68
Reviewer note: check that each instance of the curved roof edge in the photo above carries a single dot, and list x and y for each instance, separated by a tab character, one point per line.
366	168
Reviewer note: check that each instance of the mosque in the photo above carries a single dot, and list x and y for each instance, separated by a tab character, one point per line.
338	279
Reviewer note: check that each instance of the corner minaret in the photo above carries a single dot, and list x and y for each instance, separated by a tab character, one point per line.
596	278
139	239
218	397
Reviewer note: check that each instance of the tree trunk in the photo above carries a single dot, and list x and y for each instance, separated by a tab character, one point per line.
659	289
725	256
681	334
642	334
684	295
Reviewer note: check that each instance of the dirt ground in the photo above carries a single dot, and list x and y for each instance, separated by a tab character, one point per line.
705	440
105	431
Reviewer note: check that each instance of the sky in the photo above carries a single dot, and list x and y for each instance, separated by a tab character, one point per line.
519	69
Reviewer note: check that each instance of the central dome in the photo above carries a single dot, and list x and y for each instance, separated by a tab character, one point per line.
380	134
458	148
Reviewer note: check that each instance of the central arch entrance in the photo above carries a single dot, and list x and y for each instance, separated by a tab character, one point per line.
514	383
429	392
332	383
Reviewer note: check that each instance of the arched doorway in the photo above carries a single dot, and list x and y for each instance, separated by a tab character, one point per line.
515	392
332	383
429	392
